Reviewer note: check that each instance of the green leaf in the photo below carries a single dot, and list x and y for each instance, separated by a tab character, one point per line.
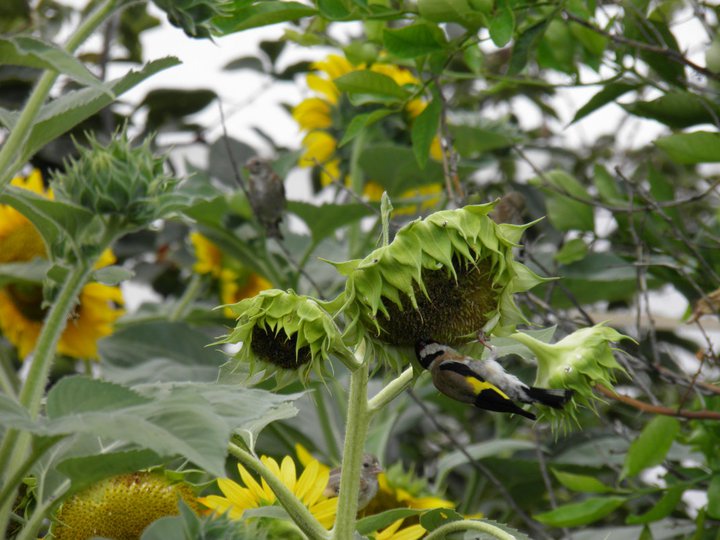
64	113
252	63
564	212
438	517
651	446
31	52
609	93
472	141
692	148
25	272
112	275
424	130
661	509
414	40
159	351
72	395
370	86
497	447
49	217
713	493
14	415
606	186
582	513
502	25
676	109
573	251
361	122
458	11
525	44
324	220
261	14
396	170
580	482
168	105
379	521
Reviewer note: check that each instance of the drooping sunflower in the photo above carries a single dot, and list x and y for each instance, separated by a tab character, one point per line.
235	282
325	116
308	488
21	303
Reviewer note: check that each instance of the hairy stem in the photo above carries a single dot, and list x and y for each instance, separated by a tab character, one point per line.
391	391
468	525
356	427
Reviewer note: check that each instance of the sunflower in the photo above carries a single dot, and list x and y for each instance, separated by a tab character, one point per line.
235	281
321	118
21	304
396	489
120	507
308	488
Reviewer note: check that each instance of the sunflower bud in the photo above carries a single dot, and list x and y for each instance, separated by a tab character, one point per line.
194	16
122	183
577	362
120	507
287	334
446	277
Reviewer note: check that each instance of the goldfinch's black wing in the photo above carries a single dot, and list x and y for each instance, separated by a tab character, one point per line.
488	396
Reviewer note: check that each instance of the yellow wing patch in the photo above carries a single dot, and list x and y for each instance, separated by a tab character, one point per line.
479	386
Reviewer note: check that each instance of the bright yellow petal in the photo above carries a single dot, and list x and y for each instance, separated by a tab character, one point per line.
334	65
319	147
306	482
325	511
220	505
324	87
312	113
305	457
436	151
271	464
106	258
414	107
427	503
236	494
287	473
413	532
373	191
389	531
251	483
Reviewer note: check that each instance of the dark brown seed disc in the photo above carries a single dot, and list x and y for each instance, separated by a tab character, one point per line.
278	349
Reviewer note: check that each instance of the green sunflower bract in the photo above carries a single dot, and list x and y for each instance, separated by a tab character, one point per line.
446	277
286	334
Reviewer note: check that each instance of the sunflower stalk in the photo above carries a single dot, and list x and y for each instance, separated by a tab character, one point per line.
392	390
356	426
299	513
469	525
11	157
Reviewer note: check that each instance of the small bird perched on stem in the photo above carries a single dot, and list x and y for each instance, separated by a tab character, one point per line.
484	383
368	481
266	192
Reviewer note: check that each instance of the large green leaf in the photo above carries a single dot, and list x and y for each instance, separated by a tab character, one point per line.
67	111
361	122
424	129
582	513
379	521
159	351
677	109
474	141
609	93
32	52
661	509
457	11
581	482
692	148
396	169
565	208
651	446
414	40
24	272
325	219
261	13
502	24
525	44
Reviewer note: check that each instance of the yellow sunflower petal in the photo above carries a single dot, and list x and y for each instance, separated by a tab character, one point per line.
319	147
312	113
287	472
306	483
106	258
220	505
413	532
428	503
323	86
325	511
271	464
236	494
389	531
334	65
251	483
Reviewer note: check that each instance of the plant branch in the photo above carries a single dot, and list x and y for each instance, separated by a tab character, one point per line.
390	391
299	513
657	409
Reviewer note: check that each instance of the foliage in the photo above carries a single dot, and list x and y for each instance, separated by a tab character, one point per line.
462	113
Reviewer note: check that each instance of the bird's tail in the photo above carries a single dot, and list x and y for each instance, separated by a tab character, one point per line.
552	397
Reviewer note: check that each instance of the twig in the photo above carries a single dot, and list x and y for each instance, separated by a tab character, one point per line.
457	445
673	55
657	409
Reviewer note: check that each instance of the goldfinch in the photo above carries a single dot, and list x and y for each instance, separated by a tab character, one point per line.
484	383
368	481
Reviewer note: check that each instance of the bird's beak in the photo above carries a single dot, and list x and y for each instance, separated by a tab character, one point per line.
377	469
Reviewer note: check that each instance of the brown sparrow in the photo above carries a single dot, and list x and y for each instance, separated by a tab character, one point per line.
267	195
368	481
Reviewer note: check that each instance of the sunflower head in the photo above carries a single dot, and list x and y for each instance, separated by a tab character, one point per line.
120	507
122	182
287	334
578	362
446	278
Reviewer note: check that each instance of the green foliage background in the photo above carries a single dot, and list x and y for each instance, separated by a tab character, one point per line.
157	393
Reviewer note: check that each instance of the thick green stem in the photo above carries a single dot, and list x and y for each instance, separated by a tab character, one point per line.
356	428
469	525
11	158
391	391
294	507
16	444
